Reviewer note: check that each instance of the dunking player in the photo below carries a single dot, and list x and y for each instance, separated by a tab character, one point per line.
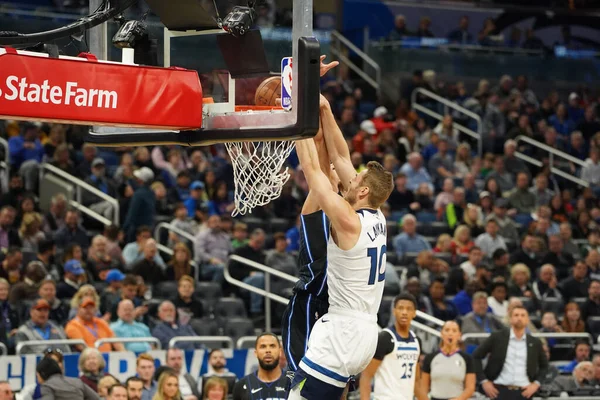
310	299
395	365
343	342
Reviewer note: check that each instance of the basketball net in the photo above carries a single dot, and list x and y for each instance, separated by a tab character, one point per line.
258	172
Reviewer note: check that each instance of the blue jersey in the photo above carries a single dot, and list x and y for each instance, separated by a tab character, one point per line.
312	257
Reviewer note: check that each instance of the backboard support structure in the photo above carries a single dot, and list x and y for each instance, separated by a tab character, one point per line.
221	122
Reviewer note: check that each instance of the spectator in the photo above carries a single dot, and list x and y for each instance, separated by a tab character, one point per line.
463	165
153	272
462	242
409	241
415	173
98	260
30	232
542	194
99	180
400	30
188	387
39	327
546	286
91	367
56	386
577	284
521	199
582	352
501	263
54	219
90	328
441	165
186	303
143	204
557	257
424	28
196	200
215	388
442	308
591	172
577	146
27	290
181	222
11	266
502	370
443	244
503	178
527	254
135	388
128	327
572	321
560	121
279	259
480	320
490	241
423	199
6	392
168	387
591	307
144	366
134	251
46	253
507	228
402	198
473	219
239	237
8	235
112	293
11	320
217	368
181	263
168	328
427	269
26	152
212	248
220	203
590	125
72	232
461	35
512	163
445	197
116	391
59	311
498	300
493	125
519	285
566	234
474	261
592	260
74	276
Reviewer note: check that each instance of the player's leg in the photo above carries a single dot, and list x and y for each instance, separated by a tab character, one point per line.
295	330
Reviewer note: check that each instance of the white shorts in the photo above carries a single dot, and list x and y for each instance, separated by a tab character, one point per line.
341	345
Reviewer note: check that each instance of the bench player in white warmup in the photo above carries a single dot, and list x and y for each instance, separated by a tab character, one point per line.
343	341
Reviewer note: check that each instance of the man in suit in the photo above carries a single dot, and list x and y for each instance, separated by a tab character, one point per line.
516	363
54	385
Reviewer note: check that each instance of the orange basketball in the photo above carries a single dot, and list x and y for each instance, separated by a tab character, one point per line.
268	91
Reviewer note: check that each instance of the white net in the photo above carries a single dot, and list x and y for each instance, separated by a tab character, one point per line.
258	172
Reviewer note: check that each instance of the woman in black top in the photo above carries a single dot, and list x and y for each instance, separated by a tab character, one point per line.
449	373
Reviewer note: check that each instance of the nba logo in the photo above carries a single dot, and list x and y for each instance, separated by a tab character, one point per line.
286	83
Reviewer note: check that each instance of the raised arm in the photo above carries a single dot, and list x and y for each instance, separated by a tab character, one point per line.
344	219
336	145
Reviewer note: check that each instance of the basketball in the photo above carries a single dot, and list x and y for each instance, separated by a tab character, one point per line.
268	91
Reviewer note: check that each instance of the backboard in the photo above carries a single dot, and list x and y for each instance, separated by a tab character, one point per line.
231	69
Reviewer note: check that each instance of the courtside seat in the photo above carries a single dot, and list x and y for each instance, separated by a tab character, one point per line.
208	291
205	327
391	257
392	229
235	328
554	305
230	307
255	223
434	229
279	225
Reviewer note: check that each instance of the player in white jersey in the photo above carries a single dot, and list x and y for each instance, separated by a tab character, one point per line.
395	365
343	341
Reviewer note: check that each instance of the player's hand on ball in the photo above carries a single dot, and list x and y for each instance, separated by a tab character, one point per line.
326	67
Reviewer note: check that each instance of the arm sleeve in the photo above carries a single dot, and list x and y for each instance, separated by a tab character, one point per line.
468	362
426	367
46	393
479	354
385	345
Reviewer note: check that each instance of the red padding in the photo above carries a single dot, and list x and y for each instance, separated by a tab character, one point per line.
98	93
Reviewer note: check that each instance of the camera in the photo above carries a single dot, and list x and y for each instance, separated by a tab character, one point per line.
239	20
129	34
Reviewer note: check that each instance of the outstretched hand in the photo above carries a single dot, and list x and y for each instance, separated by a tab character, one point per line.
324	69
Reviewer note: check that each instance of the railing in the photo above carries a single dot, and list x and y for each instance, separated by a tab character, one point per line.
337	40
449	104
4	166
49	343
561	335
426	329
552	152
429	318
79	186
154	340
168	250
220	341
266	292
443	45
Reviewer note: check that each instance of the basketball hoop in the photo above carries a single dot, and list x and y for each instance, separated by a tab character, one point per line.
258	172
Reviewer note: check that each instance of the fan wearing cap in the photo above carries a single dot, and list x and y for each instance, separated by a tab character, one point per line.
367	129
99	180
74	276
507	228
196	201
142	207
89	328
111	295
39	327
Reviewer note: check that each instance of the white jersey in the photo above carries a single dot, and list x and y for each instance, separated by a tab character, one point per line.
395	377
356	277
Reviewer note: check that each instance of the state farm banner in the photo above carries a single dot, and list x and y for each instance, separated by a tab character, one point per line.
85	91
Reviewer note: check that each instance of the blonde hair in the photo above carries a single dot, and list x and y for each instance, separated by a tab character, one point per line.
181	270
212	383
83	292
144	357
89	352
520	267
106	382
161	383
441	239
460	229
186	278
380	183
29	219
